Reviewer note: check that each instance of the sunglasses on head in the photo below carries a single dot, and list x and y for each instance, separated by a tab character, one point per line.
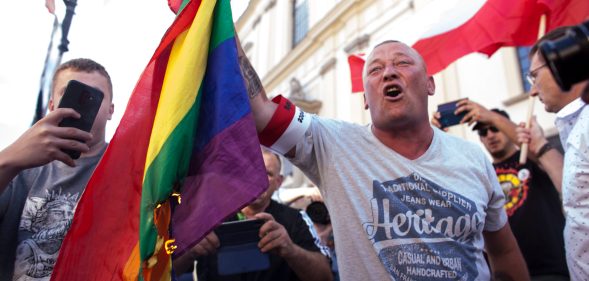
483	132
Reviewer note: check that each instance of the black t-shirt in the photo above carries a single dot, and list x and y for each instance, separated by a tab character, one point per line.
535	215
299	233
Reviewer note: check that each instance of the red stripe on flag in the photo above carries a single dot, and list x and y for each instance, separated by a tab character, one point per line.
356	62
563	12
497	24
106	222
105	227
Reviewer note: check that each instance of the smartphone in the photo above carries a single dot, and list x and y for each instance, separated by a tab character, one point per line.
239	252
239	232
84	99
448	118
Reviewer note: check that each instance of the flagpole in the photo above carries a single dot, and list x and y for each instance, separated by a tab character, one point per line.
50	65
523	156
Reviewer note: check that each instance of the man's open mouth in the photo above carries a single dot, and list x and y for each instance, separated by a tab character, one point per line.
392	91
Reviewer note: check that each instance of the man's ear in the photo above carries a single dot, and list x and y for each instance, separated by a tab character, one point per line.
431	86
111	110
365	103
51	104
280	178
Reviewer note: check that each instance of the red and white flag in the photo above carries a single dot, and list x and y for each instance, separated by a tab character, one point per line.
482	26
356	62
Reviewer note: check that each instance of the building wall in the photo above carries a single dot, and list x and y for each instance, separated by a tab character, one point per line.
338	28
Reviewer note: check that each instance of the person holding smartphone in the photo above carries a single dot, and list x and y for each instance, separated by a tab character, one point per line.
532	190
40	183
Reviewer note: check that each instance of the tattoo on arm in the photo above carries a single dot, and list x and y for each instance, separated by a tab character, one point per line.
252	81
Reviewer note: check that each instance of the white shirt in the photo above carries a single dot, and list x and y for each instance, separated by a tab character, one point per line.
573	125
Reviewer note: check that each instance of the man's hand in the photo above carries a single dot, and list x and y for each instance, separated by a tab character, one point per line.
41	144
207	246
551	160
274	237
44	141
534	136
474	112
436	120
307	265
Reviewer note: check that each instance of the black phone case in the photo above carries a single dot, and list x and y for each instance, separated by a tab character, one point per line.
84	99
239	232
448	118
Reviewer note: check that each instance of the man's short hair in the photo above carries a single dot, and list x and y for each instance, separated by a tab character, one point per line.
268	151
480	125
553	34
83	65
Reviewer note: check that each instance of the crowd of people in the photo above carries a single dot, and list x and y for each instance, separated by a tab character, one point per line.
404	200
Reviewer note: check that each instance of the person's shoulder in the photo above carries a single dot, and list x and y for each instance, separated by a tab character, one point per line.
282	212
449	139
336	126
34	172
333	121
585	111
455	143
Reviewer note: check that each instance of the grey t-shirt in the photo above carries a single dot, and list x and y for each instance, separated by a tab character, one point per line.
36	211
401	219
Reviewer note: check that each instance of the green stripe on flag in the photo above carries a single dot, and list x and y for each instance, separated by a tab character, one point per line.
169	167
222	24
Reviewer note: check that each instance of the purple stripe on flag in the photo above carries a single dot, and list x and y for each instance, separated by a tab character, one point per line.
225	179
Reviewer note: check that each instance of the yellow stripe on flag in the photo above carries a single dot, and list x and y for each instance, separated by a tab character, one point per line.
184	76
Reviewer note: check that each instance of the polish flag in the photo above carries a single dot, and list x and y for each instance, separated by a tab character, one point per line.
356	62
450	31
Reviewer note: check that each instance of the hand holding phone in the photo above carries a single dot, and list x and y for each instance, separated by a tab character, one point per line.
447	116
84	99
239	250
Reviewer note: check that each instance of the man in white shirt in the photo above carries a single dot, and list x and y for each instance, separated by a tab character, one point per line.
572	121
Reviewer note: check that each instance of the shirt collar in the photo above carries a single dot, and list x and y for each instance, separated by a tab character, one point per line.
570	108
566	119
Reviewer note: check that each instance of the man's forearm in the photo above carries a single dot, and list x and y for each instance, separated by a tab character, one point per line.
505	258
506	126
509	267
308	265
184	263
7	171
262	108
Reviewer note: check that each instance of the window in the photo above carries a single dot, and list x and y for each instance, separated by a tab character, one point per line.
524	65
300	21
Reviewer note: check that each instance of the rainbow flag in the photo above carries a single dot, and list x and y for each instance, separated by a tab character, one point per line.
188	131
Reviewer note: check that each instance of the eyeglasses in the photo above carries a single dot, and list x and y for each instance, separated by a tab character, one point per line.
483	132
531	76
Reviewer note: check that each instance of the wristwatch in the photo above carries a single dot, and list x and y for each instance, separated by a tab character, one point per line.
547	146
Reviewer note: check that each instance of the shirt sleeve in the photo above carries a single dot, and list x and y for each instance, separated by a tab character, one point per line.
302	236
496	216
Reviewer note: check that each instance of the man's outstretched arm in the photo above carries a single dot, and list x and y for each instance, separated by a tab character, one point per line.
262	107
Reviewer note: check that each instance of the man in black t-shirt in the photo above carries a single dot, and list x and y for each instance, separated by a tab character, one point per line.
532	201
293	253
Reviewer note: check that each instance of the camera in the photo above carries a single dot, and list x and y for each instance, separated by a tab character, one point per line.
568	56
